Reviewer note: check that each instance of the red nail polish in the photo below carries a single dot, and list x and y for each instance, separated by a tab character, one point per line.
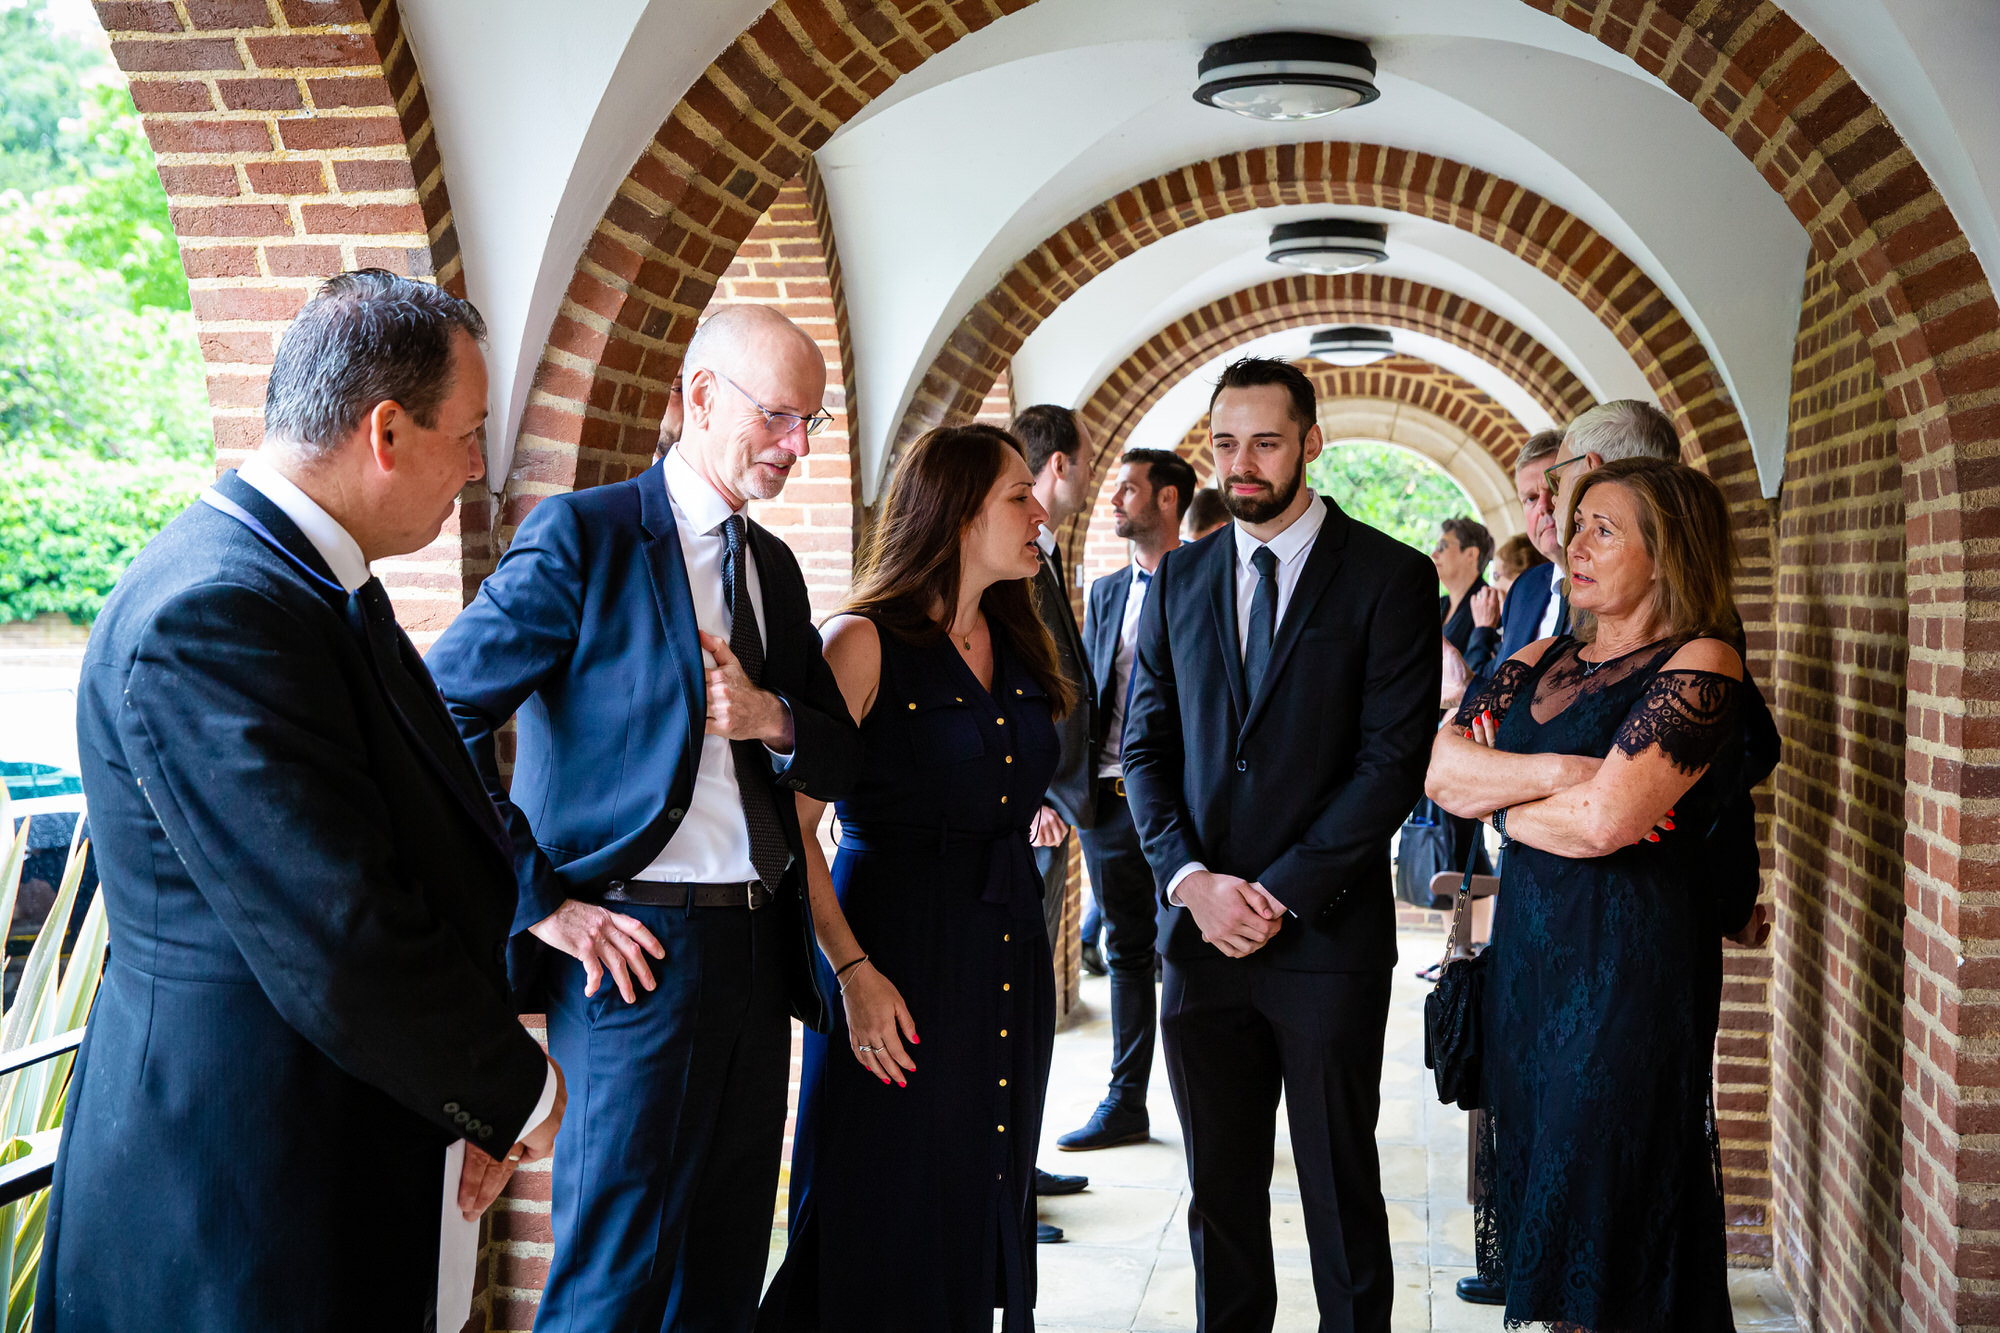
1652	837
1669	826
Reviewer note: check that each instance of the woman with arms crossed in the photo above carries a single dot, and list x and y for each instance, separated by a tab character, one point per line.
1587	753
912	1195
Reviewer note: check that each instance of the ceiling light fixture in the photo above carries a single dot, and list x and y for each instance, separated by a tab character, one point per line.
1333	245
1286	75
1354	345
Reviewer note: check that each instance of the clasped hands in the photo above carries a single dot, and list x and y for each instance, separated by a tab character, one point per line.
1235	915
737	709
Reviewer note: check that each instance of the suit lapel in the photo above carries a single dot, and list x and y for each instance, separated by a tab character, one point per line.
766	561
1109	622
1052	586
420	711
1222	606
1322	563
675	603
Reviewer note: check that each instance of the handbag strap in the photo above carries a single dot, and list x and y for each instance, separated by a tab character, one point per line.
1458	911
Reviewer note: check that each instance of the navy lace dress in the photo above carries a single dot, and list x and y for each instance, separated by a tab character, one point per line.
913	1208
1601	1009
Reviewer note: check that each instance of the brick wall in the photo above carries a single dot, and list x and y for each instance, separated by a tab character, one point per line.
1838	832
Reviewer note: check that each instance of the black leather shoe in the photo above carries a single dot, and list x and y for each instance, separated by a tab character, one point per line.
1048	1184
1110	1125
1093	960
1476	1290
1048	1234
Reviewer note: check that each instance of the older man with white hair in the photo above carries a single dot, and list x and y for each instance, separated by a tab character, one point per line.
658	652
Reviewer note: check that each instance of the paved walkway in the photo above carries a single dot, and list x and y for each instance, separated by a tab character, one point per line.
1126	1266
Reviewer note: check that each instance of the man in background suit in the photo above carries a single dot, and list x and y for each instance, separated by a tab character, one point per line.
1535	607
1055	443
1149	497
308	889
1287	685
659	652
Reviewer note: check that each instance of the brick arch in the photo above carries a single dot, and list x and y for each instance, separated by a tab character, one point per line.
1401	400
1129	391
1659	339
747	126
294	140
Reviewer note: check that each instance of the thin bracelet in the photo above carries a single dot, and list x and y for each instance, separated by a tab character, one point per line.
843	972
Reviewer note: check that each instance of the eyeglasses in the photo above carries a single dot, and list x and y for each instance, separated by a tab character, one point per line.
1552	478
781	423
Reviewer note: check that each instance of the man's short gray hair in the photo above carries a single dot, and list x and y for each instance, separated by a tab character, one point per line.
1541	445
1627	428
366	337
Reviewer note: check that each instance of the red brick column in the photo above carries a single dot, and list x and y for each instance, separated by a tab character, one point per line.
294	141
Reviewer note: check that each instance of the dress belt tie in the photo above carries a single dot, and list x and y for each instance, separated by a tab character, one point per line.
1011	878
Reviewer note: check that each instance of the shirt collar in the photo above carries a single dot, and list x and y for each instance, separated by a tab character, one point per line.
1290	543
699	503
1046	540
333	542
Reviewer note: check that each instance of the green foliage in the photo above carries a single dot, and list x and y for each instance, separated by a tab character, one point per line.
53	997
1391	488
104	427
69	526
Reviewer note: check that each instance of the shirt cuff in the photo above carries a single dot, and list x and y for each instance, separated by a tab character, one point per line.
778	761
544	1106
1174	884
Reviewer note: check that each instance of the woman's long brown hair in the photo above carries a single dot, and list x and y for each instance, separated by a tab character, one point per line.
913	560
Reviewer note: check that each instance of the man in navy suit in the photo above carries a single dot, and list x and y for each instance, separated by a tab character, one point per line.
1286	696
1535	607
1149	496
658	653
308	889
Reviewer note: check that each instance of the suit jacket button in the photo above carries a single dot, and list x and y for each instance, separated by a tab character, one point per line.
472	1126
451	1108
676	814
1242	765
461	1117
486	1131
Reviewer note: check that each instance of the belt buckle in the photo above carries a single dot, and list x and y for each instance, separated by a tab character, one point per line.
750	889
1118	785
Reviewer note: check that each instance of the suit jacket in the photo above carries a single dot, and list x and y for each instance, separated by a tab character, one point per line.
1300	788
306	997
586	634
1073	790
1521	617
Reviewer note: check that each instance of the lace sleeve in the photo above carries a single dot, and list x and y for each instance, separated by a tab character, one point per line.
1690	715
1495	694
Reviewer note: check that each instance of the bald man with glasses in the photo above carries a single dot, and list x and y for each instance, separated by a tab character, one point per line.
657	651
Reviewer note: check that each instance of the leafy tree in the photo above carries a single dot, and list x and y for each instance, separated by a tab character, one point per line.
116	217
1391	488
41	83
69	526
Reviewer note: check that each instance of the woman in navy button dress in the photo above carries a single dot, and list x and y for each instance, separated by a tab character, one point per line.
913	1167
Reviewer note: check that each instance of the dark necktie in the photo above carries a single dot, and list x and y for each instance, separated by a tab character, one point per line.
1132	672
768	852
1562	614
1054	557
1263	618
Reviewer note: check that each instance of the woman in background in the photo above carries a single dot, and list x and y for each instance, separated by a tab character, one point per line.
912	1186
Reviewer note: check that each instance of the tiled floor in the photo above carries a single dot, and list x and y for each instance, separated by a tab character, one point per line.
1125	1266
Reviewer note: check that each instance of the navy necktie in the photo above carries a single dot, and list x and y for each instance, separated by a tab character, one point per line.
768	852
1263	618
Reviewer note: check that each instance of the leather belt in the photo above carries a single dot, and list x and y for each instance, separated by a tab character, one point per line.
674	893
1117	785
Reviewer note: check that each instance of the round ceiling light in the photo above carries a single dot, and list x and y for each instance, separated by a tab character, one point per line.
1286	75
1355	345
1330	246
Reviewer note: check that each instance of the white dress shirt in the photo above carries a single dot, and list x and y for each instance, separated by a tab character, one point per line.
712	844
1291	546
458	1239
1111	764
1552	610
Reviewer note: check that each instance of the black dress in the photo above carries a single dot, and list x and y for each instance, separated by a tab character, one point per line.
1601	1008
913	1208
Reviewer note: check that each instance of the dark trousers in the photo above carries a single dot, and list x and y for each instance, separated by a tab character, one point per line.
1237	1035
1123	883
1053	862
666	1168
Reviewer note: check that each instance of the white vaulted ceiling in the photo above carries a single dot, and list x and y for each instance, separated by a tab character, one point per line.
966	164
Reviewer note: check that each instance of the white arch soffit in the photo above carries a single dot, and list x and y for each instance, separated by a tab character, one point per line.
538	120
1092	333
1432	438
925	228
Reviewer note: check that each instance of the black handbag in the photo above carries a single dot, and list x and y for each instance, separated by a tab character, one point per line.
1454	1011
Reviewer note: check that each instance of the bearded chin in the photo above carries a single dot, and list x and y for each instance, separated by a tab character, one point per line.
1263	507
